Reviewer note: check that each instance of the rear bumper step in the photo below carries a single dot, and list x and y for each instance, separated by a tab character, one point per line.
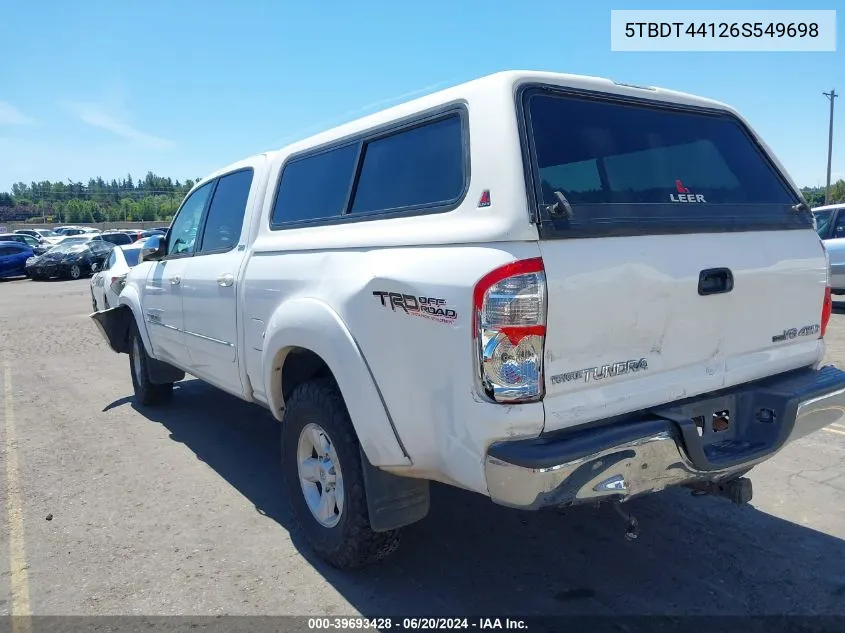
710	438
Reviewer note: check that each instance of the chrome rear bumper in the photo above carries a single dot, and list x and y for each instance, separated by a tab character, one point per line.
663	447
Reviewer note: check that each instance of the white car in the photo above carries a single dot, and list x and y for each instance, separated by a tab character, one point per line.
107	283
547	289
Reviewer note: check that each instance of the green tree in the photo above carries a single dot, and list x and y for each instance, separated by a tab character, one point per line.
837	191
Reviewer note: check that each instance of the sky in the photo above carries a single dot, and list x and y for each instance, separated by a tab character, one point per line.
95	88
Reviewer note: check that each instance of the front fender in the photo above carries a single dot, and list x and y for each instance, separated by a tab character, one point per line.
313	325
114	323
129	298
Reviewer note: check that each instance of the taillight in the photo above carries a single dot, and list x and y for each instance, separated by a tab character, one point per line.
509	308
827	308
117	283
827	304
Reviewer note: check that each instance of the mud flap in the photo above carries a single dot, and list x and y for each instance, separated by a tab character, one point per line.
393	501
161	373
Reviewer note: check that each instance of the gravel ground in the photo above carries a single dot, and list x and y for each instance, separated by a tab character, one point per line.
109	510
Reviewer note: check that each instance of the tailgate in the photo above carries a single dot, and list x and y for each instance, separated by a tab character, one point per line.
678	258
630	330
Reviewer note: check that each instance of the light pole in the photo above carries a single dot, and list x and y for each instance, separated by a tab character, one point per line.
830	96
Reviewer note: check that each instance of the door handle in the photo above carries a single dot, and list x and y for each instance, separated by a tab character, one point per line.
225	280
714	281
175	280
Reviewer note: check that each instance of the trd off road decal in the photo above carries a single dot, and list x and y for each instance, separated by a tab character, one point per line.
426	307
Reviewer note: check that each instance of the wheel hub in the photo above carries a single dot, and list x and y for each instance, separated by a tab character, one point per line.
319	475
136	359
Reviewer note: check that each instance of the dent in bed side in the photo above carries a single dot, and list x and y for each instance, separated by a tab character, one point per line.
314	326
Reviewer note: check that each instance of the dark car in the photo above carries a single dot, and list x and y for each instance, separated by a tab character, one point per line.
37	245
13	257
135	235
69	230
72	260
115	237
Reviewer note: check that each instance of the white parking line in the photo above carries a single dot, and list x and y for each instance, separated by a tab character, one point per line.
832	430
19	578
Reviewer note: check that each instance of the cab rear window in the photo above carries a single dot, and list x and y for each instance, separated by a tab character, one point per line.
620	163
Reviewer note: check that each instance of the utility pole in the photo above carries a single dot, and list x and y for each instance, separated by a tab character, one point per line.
830	96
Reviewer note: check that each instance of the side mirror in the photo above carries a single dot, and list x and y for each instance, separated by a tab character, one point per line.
154	249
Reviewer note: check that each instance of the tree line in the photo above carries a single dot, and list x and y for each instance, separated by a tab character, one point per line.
815	195
148	199
154	198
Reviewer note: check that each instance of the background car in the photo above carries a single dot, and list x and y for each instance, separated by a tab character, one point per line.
42	233
71	259
13	257
830	225
115	237
38	246
107	282
134	234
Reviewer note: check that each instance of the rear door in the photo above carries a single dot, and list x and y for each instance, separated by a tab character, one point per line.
7	253
681	263
211	282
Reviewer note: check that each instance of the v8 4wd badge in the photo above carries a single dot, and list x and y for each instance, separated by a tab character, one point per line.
791	333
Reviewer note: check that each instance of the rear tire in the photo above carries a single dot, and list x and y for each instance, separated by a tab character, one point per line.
316	414
147	393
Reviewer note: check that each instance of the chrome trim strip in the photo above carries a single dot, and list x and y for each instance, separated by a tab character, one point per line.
208	338
164	325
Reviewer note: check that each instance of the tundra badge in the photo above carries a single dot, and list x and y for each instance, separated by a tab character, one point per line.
605	371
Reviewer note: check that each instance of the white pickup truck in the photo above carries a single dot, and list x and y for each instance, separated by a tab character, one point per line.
544	288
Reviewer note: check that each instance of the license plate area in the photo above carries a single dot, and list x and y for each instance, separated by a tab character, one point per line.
722	431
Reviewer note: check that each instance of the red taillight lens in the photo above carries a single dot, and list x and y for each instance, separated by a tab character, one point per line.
827	309
509	307
827	303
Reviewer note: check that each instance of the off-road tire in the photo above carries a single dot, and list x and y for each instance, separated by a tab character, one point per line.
147	393
351	543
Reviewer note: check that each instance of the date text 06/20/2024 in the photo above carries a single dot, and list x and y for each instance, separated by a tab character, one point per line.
414	624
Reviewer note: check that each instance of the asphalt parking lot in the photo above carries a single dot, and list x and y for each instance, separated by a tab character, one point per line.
108	510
